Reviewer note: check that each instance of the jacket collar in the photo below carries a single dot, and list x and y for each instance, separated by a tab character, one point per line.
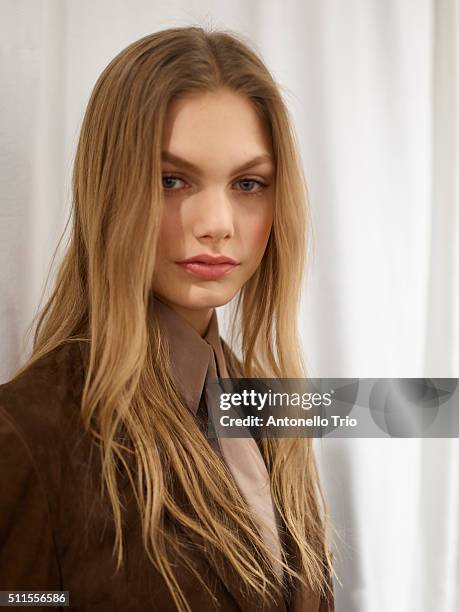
189	352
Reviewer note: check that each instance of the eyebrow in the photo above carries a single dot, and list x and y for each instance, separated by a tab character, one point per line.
255	161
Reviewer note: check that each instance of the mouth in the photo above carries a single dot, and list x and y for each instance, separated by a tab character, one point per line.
207	271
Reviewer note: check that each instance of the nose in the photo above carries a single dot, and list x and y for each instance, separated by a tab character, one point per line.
213	215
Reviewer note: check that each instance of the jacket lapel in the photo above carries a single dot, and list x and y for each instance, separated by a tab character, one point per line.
246	600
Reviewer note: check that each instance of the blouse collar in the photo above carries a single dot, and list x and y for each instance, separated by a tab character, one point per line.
189	351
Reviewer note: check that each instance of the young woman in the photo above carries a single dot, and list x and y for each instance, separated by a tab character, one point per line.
187	193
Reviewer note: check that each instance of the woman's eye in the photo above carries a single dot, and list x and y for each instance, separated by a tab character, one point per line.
169	182
247	185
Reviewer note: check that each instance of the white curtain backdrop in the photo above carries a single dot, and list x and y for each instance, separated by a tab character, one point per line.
373	90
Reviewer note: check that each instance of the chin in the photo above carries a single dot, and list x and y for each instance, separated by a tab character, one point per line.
203	297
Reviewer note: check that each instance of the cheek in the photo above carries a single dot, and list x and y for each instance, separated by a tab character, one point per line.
171	230
256	233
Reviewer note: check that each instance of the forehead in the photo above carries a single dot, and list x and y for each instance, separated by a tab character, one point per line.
215	126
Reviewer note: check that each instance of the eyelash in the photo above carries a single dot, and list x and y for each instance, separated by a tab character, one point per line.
249	193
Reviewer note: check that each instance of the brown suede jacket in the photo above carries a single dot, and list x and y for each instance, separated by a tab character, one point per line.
55	534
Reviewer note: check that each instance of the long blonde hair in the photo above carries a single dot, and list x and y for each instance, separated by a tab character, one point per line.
102	296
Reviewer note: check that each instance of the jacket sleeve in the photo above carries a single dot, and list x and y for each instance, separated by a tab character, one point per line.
28	559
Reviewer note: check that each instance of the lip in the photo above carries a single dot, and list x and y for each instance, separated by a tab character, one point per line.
208	267
209	259
207	271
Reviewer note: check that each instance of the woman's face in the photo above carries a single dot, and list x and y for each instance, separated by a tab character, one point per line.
217	178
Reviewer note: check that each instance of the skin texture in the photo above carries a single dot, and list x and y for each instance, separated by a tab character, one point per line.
214	208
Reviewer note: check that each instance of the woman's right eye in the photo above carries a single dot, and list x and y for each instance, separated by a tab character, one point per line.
169	182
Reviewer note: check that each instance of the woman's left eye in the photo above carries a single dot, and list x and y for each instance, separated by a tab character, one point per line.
248	182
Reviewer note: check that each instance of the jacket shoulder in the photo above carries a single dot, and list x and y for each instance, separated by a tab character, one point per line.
44	396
